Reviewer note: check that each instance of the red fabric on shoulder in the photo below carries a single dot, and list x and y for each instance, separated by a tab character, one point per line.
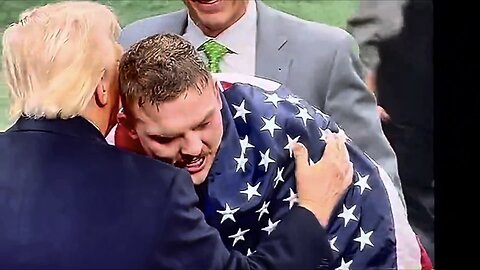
226	85
124	141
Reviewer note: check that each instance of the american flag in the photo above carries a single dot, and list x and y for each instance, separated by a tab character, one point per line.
251	185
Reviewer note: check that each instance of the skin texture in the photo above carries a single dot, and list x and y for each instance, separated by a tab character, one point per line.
214	18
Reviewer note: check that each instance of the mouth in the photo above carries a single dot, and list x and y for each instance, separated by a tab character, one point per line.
209	6
206	2
194	164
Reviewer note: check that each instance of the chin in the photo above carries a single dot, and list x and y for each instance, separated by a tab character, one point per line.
199	178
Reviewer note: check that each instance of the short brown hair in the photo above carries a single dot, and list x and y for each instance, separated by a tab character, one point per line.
160	68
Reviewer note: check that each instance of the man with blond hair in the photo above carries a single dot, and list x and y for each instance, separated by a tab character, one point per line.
68	200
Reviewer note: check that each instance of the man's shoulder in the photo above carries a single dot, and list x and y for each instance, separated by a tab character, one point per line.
137	30
310	31
265	96
96	157
129	163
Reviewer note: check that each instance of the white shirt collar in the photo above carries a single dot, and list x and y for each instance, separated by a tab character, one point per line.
233	37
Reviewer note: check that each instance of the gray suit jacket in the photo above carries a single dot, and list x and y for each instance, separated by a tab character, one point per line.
375	22
319	63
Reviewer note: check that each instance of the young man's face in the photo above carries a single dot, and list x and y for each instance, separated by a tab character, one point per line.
186	131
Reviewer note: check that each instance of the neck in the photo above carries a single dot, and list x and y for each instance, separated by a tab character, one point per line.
211	32
97	120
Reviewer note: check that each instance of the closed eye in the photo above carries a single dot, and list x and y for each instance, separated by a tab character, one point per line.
203	125
162	139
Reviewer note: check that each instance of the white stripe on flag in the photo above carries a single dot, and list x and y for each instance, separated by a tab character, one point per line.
265	84
408	249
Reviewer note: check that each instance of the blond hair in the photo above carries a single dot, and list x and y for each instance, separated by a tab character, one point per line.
52	60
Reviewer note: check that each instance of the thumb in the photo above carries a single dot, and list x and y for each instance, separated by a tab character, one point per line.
300	153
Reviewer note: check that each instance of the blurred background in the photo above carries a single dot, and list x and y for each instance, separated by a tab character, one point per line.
333	12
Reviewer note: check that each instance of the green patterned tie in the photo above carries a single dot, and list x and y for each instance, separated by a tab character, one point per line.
214	52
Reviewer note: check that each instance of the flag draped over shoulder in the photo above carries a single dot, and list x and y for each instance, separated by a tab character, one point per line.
251	185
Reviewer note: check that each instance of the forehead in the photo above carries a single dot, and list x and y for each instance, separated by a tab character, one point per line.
183	113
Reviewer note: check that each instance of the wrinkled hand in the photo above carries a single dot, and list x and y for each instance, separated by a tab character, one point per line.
321	186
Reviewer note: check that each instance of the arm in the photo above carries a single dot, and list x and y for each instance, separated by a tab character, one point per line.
299	242
354	108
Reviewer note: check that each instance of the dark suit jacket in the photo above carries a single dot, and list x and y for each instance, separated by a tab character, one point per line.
68	200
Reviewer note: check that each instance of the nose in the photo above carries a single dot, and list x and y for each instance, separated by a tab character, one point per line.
192	144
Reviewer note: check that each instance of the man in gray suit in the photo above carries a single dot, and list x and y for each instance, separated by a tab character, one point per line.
319	62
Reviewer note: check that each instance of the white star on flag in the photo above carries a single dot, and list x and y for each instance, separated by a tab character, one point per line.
364	239
362	182
290	144
279	177
332	244
303	113
228	213
249	252
347	214
241	161
293	198
263	210
241	111
344	266
292	99
238	236
273	98
270	125
323	133
245	144
317	111
251	191
271	226
265	159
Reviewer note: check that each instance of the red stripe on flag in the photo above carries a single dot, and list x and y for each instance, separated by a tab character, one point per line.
424	258
226	85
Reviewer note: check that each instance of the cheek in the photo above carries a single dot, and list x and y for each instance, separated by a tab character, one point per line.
215	133
153	148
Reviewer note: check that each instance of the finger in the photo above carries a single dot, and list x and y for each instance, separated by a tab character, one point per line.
338	145
334	148
349	175
330	145
343	150
300	154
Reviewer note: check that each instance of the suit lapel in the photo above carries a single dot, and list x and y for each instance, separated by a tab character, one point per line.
272	57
